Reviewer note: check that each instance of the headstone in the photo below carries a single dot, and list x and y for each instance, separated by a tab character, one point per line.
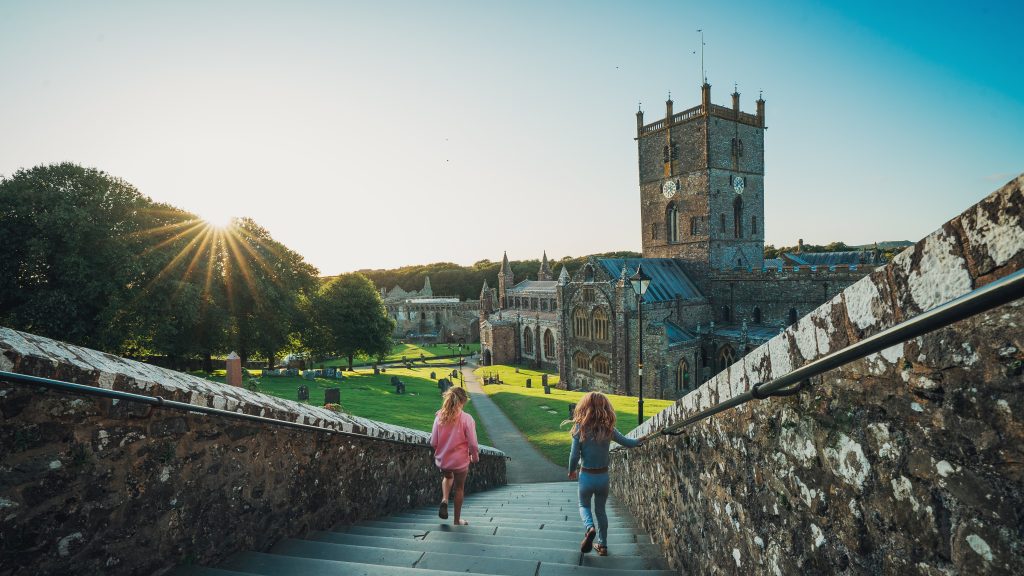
517	370
547	389
383	370
234	370
544	379
376	370
455	373
572	408
395	380
303	393
529	383
332	396
433	376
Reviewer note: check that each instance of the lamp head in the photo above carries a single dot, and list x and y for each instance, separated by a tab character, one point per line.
640	281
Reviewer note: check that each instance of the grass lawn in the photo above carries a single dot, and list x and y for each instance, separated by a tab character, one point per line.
410	351
525	407
373	397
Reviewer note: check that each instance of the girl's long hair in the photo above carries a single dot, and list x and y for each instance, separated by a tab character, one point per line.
593	417
454	399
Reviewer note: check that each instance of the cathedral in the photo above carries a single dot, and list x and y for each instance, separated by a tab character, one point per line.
712	296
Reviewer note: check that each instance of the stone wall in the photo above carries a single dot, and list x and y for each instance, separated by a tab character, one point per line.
906	462
94	486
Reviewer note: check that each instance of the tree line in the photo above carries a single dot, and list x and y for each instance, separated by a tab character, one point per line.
90	260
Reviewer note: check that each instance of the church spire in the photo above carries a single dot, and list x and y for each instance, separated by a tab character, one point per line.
545	269
427	290
505	280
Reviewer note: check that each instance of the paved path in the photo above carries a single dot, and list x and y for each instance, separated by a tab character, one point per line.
527	464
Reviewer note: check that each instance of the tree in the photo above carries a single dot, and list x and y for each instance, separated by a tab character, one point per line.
349	318
264	284
70	258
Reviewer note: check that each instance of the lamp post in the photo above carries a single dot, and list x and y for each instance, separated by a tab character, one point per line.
640	282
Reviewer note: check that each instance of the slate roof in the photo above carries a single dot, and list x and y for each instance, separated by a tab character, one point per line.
851	257
667	277
774	263
755	332
535	286
677	335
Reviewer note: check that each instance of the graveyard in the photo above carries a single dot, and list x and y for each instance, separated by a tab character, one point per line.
364	394
539	415
408	351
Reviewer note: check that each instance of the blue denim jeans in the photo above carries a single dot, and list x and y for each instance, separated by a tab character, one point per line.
594	486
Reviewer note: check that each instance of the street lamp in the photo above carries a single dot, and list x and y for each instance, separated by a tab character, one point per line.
640	282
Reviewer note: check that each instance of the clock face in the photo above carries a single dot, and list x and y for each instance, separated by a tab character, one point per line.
669	188
738	183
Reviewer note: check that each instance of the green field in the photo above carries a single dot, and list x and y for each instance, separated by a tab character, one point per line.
373	397
524	407
410	351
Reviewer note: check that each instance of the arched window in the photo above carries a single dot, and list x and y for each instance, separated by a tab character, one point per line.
721	224
580	323
437	317
600	324
753	225
682	376
588	273
737	217
725	357
601	365
672	222
726	314
528	340
757	315
580	361
693	225
792	315
703	358
549	345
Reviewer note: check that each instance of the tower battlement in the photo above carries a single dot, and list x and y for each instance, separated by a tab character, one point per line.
706	108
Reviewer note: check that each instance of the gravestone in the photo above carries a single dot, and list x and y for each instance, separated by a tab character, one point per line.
572	408
376	370
529	383
303	393
332	396
455	373
395	380
547	389
544	379
433	376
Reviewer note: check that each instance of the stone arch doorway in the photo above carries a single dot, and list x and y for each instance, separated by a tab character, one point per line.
485	357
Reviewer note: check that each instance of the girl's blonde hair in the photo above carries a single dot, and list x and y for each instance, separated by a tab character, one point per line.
593	417
454	399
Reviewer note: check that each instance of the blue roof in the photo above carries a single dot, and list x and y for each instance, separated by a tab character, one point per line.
847	258
677	335
668	279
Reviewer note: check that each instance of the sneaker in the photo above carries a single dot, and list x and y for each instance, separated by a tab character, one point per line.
588	540
442	511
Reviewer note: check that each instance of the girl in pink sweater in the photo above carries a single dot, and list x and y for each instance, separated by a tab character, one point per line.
455	446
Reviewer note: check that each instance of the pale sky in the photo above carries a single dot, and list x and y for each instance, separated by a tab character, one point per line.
379	134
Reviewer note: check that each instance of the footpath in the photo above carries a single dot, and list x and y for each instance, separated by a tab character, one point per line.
527	464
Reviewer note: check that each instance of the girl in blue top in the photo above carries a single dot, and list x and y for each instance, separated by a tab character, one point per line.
593	429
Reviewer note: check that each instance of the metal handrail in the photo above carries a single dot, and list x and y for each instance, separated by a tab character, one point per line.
159	402
991	295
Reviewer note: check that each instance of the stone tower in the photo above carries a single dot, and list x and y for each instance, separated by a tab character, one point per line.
545	269
702	184
505	280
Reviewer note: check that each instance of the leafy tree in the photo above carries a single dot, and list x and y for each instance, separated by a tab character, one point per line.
70	258
349	319
264	284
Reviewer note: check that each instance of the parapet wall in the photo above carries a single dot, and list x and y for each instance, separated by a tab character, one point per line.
906	462
94	486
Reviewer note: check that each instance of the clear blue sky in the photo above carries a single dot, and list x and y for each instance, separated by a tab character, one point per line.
377	134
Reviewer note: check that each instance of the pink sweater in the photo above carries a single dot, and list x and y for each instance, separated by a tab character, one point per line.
455	443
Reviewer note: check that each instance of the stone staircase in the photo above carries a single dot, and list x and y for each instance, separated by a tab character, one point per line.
516	530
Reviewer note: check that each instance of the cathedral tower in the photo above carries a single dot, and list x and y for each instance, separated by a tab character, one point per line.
505	281
702	184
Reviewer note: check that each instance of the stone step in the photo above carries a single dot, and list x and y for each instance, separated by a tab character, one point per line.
534	532
494	551
553	516
623	548
278	565
204	571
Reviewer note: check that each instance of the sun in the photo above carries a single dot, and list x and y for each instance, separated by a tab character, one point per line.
218	219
